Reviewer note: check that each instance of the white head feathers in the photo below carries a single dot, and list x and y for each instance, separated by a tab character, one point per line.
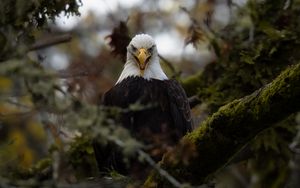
142	41
142	59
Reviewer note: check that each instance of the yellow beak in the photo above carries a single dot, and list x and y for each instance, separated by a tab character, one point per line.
142	56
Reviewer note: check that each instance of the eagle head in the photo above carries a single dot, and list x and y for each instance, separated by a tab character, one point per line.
142	51
142	59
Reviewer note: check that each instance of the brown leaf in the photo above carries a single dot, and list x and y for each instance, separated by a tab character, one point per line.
195	35
119	39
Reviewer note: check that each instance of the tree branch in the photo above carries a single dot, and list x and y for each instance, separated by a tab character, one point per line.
50	42
169	64
226	132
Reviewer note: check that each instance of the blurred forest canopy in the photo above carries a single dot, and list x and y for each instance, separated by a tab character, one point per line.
49	97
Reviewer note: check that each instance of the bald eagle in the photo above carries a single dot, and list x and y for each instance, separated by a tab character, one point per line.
143	81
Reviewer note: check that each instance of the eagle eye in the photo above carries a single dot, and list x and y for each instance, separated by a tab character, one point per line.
151	48
133	48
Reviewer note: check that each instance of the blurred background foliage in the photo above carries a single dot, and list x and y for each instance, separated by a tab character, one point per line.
58	57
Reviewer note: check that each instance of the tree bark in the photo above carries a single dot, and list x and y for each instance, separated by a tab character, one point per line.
224	133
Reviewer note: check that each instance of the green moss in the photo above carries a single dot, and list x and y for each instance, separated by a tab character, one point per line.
192	84
42	164
81	157
151	180
198	133
37	171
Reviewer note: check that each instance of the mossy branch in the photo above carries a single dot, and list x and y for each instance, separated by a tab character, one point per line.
232	126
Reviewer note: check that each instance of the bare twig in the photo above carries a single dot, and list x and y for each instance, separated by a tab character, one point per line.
194	101
17	104
287	4
151	162
50	42
161	171
64	74
13	115
294	146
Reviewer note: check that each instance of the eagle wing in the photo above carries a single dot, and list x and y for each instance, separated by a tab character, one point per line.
179	106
